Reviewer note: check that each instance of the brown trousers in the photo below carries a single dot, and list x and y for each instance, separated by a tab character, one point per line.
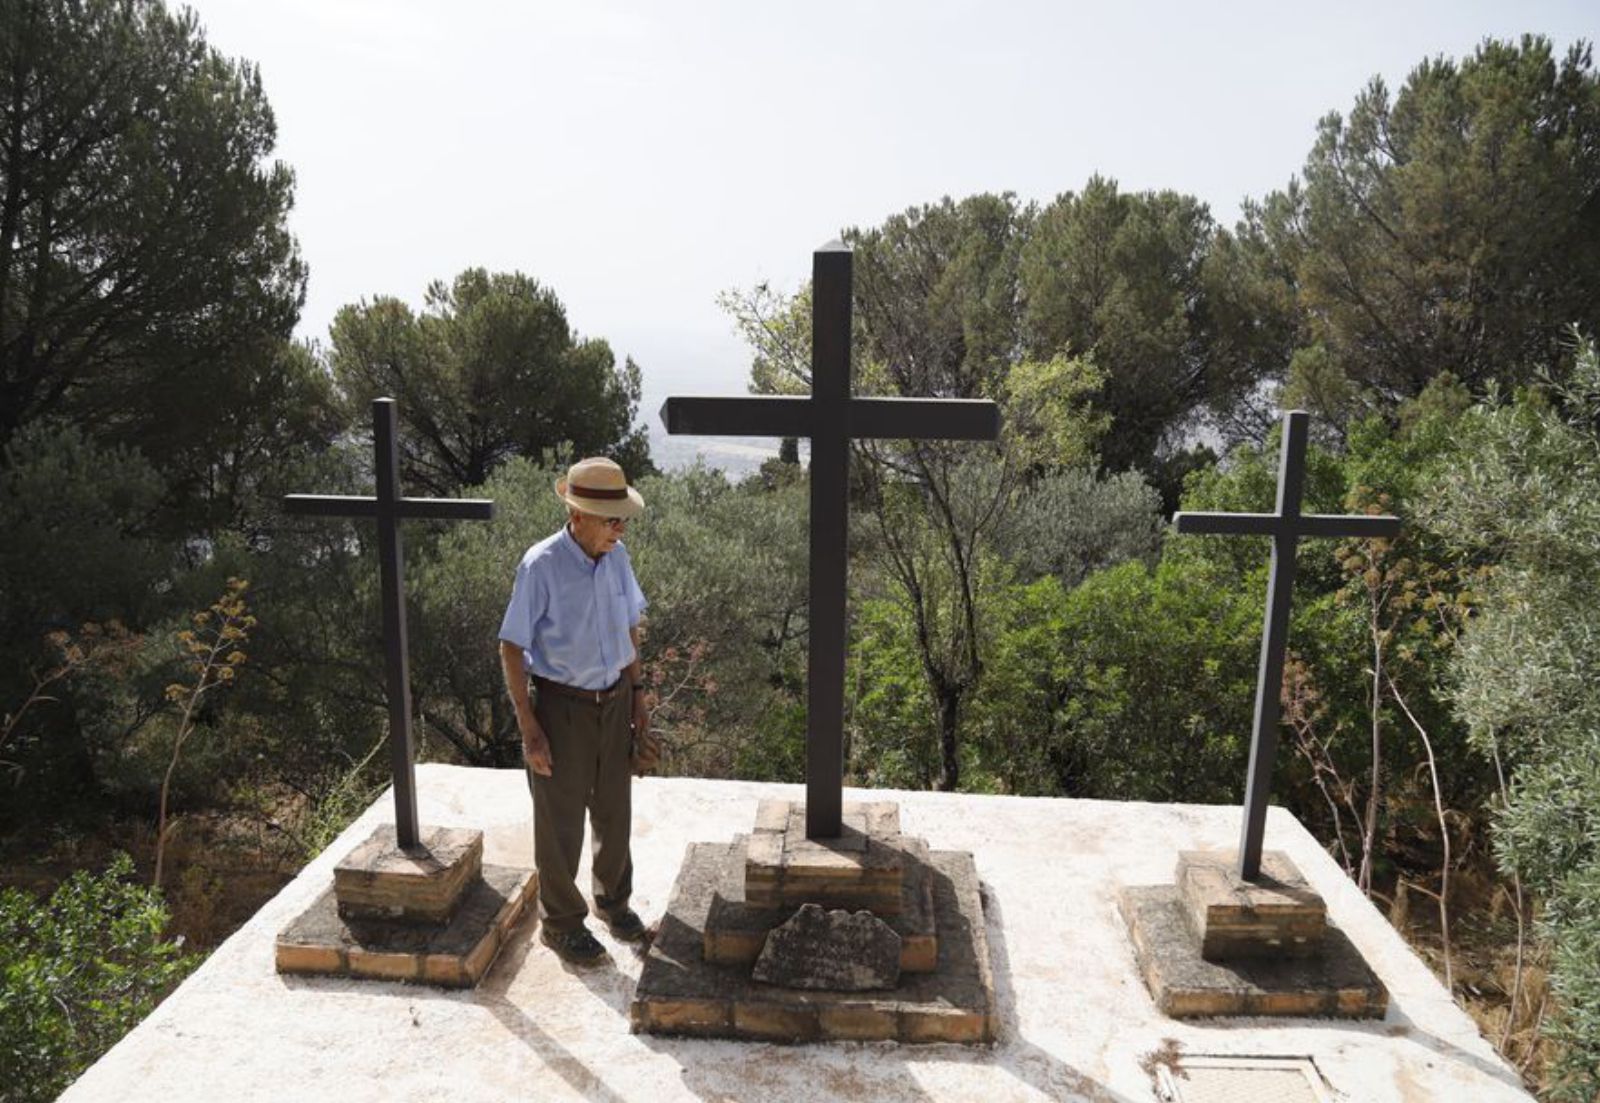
589	747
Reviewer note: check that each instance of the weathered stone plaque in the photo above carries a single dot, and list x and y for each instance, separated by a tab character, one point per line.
837	951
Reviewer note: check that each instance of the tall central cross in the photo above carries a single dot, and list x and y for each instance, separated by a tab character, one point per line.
389	507
831	418
1286	527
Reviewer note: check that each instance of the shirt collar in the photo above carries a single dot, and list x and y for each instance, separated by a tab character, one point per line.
571	542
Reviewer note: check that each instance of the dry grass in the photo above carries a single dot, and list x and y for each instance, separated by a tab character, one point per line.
221	870
1483	931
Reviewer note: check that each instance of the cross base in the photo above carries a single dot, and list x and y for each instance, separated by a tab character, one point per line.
1215	944
1277	914
730	897
737	928
381	880
863	868
434	914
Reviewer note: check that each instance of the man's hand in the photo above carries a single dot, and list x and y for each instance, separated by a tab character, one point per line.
536	748
646	754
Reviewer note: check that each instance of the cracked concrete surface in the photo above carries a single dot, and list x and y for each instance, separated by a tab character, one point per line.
1076	1022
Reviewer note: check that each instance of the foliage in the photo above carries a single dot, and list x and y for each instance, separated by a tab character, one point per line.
109	647
936	292
1047	416
78	972
1129	634
146	268
724	566
1525	491
1068	675
489	370
1449	226
59	489
1129	279
1074	522
777	327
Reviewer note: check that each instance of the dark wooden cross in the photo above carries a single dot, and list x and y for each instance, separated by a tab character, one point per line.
831	418
389	507
1286	527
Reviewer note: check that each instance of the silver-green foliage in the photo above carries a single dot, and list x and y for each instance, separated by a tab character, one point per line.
1074	522
1526	495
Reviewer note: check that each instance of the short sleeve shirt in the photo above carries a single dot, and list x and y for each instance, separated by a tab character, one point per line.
571	614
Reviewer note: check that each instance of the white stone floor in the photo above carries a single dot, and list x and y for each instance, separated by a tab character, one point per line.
1076	1021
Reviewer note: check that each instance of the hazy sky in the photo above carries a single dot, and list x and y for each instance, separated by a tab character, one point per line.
641	157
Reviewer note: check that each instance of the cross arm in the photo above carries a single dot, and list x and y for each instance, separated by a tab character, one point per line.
753	416
1349	526
1228	524
1363	526
329	505
797	416
924	418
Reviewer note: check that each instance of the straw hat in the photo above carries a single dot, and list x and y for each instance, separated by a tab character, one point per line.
598	486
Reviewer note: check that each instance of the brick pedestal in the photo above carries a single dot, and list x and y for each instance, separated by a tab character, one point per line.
1214	944
434	914
1279	914
728	897
379	880
862	868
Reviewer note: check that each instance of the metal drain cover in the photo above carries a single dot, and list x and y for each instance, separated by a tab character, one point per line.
1197	1079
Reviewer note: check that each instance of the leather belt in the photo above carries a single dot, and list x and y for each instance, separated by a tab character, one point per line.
592	696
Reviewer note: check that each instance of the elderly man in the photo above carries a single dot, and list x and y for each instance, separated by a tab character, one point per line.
572	626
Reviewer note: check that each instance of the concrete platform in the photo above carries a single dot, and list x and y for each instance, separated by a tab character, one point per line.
1075	1021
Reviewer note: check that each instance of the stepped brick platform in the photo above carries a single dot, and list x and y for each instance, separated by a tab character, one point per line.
379	880
324	941
729	898
862	868
1214	944
735	929
679	992
1073	1020
434	914
1278	915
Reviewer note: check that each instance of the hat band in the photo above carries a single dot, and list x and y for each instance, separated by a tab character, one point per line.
597	492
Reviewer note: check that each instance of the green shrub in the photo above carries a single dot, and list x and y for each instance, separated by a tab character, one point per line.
76	973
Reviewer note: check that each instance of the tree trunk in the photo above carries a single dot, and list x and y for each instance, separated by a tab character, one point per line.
949	704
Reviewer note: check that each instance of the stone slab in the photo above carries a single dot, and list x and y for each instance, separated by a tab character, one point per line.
323	942
679	992
862	868
1278	914
1337	983
380	880
736	929
830	951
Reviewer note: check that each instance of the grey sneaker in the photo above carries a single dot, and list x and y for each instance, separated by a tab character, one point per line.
625	925
577	946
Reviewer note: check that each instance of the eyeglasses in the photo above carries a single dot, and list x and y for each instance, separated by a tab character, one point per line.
615	524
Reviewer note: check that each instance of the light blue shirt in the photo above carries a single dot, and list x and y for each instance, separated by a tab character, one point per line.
570	614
